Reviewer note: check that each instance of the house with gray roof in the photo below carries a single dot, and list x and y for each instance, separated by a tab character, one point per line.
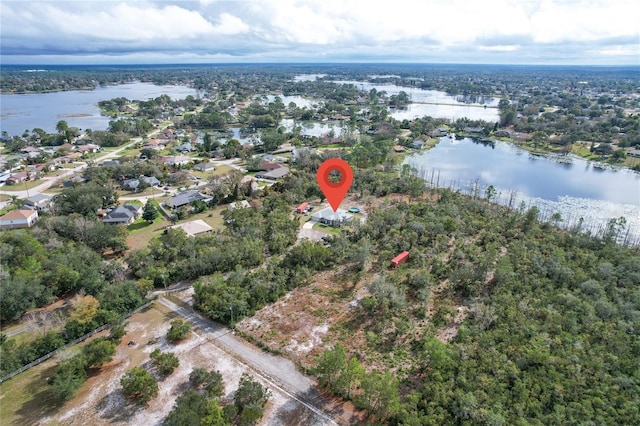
37	202
186	198
185	147
123	215
274	174
417	144
329	217
132	184
204	167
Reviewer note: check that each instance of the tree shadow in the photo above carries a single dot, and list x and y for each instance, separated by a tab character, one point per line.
171	315
342	411
43	401
115	407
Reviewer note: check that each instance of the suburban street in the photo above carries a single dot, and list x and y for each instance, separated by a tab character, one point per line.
279	371
49	181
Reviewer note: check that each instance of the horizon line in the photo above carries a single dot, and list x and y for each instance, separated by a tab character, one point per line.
320	63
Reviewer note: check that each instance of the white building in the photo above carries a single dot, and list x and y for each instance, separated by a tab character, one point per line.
19	219
329	217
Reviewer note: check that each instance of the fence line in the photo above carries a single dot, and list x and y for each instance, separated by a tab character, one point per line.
73	342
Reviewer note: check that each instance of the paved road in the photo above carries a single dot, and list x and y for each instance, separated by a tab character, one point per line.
49	181
278	371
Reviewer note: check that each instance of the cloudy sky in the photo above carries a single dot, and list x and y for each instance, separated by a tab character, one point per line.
599	32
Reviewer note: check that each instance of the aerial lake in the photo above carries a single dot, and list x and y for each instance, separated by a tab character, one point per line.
78	108
571	186
434	103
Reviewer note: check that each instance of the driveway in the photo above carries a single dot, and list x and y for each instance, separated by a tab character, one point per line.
307	232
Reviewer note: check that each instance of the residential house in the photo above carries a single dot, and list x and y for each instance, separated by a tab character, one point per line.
185	147
123	215
16	219
74	181
335	219
37	202
417	144
634	153
31	155
176	160
274	174
186	198
155	144
110	163
17	178
474	130
75	156
132	184
194	227
398	148
205	167
88	148
439	132
274	158
268	166
30	148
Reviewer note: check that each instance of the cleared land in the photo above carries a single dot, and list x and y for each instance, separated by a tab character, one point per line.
26	399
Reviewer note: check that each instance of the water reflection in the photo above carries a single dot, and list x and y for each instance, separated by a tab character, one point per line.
551	183
78	107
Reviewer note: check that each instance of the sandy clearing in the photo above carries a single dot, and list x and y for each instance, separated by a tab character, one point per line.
100	401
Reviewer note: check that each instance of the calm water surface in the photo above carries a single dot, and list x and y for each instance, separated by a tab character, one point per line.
78	108
576	189
438	104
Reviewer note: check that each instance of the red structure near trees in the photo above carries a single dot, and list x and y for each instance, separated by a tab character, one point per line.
399	259
302	207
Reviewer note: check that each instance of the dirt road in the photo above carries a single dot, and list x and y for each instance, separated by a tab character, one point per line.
279	371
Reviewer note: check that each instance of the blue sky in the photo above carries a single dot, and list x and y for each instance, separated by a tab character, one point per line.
589	32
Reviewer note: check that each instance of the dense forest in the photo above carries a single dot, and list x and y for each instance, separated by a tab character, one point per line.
550	334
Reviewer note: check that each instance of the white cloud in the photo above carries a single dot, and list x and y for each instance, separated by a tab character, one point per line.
415	30
121	22
499	48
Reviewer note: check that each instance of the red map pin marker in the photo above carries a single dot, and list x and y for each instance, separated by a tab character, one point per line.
335	192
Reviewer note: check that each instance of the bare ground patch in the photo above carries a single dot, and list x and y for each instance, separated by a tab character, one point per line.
101	402
298	323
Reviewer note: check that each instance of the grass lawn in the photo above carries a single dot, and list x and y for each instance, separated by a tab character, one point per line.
131	152
22	186
326	229
4	197
583	150
135	202
7	209
26	398
213	217
141	232
220	170
54	190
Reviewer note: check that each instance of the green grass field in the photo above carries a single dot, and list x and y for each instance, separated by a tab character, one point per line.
25	399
